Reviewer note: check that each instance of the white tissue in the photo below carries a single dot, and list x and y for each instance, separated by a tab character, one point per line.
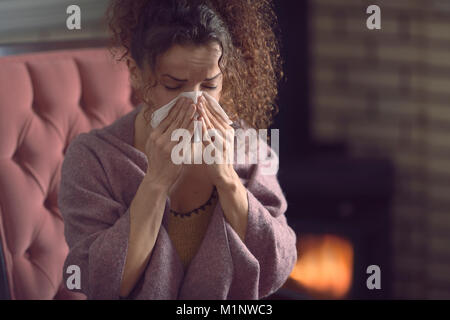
160	114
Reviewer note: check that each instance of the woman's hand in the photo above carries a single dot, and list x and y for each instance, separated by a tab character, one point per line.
221	173
232	193
158	148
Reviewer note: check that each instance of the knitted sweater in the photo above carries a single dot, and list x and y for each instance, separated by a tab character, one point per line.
100	175
187	232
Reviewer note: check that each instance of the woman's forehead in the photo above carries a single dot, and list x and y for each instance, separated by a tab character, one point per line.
190	59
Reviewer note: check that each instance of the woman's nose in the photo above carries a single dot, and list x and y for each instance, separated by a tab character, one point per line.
195	87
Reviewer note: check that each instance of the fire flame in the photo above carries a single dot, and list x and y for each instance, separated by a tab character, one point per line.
324	267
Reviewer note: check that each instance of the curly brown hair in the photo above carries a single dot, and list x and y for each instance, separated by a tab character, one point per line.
247	31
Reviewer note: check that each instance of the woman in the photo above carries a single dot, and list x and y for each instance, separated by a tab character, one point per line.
141	227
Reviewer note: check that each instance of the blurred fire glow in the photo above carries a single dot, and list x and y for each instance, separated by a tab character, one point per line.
324	267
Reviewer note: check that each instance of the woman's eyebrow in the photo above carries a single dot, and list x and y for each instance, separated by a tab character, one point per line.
209	79
184	80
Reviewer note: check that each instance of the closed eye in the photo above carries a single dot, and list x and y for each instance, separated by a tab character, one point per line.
178	88
210	88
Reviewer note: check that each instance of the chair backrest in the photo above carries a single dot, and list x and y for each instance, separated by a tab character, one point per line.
46	99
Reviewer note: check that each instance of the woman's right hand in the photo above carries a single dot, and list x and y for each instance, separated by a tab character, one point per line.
158	148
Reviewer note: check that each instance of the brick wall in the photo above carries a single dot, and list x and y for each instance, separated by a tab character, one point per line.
387	94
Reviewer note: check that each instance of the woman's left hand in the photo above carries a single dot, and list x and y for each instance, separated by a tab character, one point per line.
220	171
232	193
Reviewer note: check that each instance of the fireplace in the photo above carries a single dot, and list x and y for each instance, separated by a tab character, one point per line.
339	205
339	208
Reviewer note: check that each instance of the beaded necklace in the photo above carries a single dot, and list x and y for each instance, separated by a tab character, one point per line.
196	210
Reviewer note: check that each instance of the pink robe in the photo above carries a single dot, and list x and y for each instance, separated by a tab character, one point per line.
100	175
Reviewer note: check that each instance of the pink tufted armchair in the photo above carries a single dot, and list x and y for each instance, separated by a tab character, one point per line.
46	99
